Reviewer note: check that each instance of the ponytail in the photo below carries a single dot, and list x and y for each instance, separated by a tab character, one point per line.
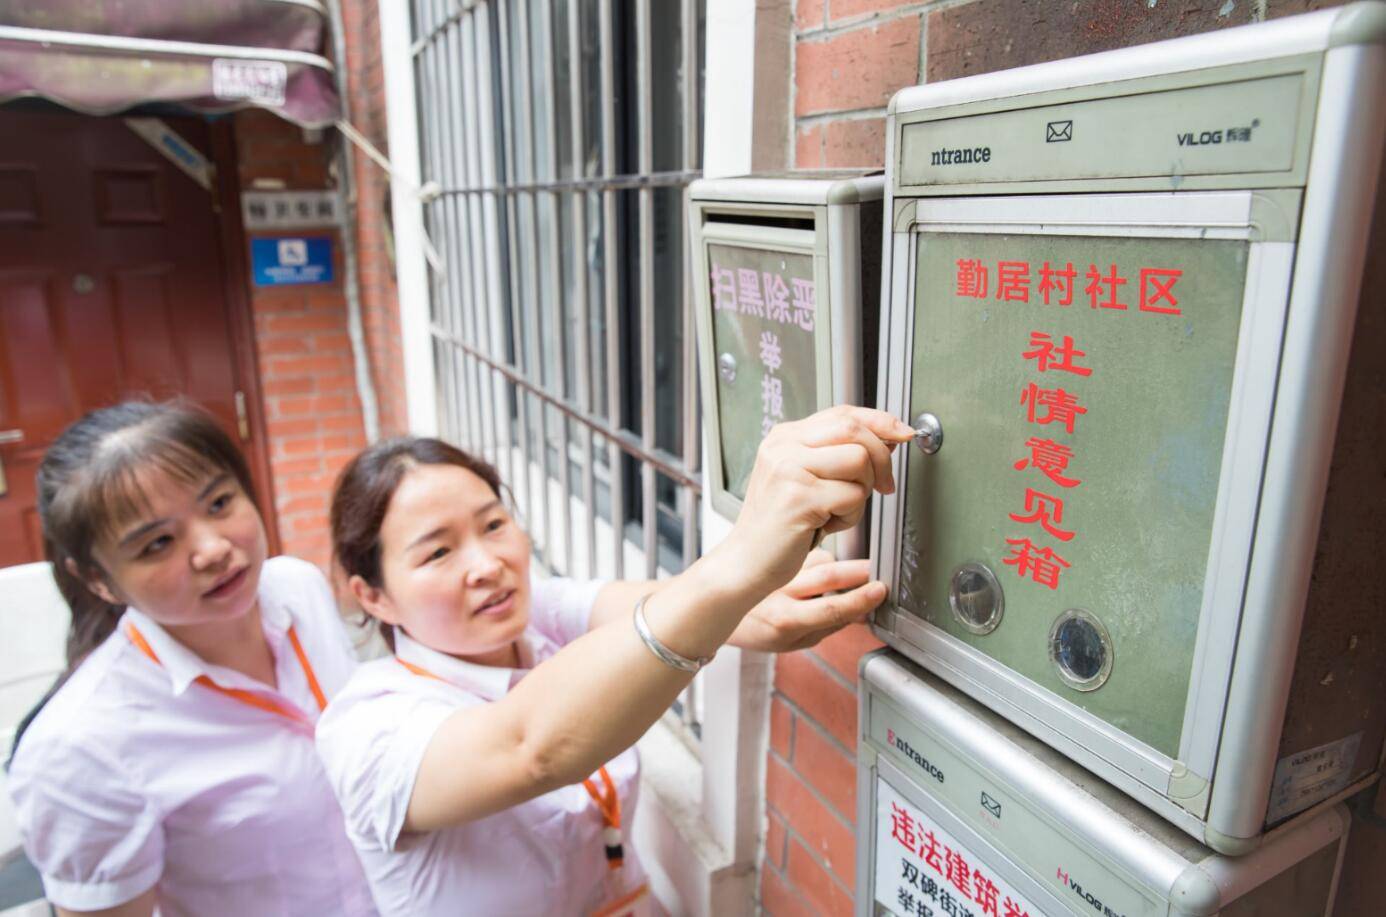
90	482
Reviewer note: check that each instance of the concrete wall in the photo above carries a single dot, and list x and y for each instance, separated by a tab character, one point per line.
849	57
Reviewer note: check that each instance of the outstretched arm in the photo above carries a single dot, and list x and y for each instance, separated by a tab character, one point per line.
600	693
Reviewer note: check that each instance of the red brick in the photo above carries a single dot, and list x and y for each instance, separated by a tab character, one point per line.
304	323
989	35
806	682
838	10
280	428
292	407
808	147
273	346
845	648
336	382
854	142
781	728
816	884
331	342
775	839
827	768
274	387
327	404
302	366
299	445
858	69
284	469
301	505
350	421
808	14
311	524
778	900
827	835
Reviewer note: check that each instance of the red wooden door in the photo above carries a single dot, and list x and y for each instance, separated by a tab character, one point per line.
112	285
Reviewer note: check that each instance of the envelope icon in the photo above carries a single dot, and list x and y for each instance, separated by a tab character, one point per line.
1058	131
991	805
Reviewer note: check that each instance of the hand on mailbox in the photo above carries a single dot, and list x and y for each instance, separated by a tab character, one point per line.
812	477
825	596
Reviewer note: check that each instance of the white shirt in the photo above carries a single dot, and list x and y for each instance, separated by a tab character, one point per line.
544	856
132	775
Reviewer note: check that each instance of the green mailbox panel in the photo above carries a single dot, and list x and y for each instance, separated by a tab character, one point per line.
1083	386
763	321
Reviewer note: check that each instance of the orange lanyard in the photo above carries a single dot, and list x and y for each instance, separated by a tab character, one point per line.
240	695
607	802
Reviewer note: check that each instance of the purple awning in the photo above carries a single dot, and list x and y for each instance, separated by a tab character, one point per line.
105	56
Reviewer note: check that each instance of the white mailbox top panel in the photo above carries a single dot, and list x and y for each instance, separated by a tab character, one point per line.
1227	109
810	188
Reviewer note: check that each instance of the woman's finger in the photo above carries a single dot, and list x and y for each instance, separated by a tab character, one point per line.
834	576
840	462
834	428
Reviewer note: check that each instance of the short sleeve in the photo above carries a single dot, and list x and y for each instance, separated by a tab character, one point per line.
371	748
94	839
562	607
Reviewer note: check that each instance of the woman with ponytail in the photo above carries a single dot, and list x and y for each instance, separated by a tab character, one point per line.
172	768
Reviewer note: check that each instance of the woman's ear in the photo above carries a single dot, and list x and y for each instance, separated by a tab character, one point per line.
373	601
96	584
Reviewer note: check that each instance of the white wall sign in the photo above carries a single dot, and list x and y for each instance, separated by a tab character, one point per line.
922	870
290	209
259	81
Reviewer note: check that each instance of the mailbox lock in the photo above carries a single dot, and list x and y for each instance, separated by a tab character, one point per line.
928	433
726	367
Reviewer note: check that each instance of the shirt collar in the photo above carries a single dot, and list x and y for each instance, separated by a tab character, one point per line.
183	666
488	682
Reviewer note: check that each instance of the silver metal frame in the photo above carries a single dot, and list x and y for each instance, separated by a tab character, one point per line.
830	200
489	131
1118	835
1302	289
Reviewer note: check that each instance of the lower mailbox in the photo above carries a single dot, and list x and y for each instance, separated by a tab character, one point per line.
960	814
1134	346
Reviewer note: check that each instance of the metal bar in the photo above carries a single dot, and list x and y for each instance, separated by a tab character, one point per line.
547	48
459	274
509	93
430	127
471	295
532	269
645	149
492	297
692	450
611	293
584	356
629	181
663	461
477	235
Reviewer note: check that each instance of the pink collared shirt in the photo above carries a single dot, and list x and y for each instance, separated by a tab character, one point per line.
133	776
544	856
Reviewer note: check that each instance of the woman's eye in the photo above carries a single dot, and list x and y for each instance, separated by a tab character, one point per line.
495	524
156	546
437	554
221	502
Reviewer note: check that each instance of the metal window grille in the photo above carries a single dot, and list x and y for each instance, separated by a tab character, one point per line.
561	135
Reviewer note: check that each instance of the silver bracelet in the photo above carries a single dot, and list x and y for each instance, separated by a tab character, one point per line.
662	652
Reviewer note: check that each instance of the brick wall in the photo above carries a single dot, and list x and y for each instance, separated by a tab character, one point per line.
307	380
379	301
307	371
850	57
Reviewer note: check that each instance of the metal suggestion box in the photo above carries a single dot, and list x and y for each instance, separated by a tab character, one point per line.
1121	298
964	815
786	276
